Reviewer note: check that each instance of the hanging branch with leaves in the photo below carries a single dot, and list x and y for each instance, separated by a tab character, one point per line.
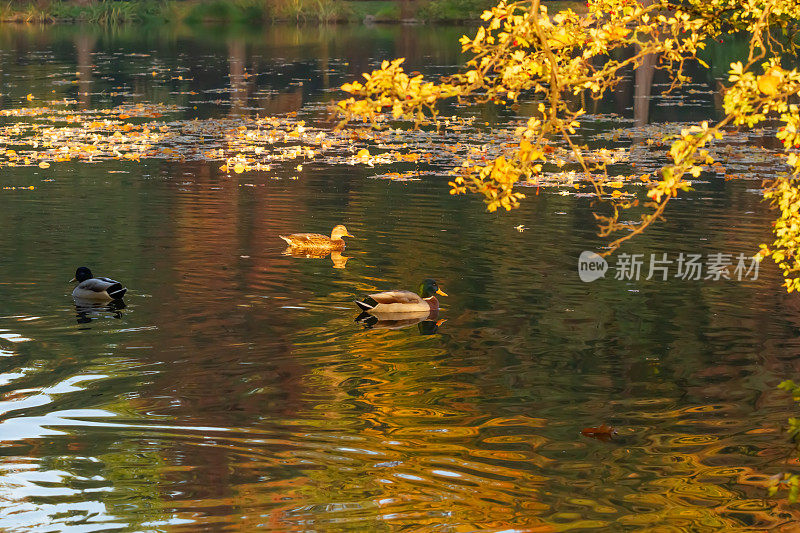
522	52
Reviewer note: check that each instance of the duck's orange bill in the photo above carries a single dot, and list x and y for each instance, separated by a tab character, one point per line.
348	235
440	291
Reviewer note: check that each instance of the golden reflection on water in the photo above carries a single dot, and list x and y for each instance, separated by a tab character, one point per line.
338	260
235	391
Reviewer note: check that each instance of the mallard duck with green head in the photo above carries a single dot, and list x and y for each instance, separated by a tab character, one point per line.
400	302
96	289
315	241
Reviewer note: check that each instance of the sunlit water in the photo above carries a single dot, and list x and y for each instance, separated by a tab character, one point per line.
235	391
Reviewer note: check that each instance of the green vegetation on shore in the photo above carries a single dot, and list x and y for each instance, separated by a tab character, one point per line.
113	12
247	11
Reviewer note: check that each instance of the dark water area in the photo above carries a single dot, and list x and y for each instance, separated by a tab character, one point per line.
235	391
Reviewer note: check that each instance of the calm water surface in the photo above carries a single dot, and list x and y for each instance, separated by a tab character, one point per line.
235	391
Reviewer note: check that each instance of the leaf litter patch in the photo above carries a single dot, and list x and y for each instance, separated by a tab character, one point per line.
58	132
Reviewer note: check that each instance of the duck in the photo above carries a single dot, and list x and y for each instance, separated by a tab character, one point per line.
315	241
96	289
395	302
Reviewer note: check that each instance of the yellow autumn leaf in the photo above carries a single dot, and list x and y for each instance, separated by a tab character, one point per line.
768	82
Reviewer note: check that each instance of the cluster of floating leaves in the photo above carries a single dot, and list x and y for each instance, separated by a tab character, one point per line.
628	153
58	132
47	135
55	133
631	152
748	155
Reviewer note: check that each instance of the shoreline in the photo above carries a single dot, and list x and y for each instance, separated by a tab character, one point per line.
255	12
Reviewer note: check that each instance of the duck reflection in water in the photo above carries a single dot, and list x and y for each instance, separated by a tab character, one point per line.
427	323
339	261
87	310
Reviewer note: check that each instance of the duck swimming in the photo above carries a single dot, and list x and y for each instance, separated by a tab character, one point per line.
96	289
315	241
401	301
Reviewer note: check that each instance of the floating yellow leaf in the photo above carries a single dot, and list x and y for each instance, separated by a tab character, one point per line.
44	164
238	168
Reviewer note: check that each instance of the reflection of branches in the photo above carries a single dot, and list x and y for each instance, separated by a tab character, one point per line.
84	44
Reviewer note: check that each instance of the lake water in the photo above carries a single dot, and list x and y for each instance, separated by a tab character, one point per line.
235	391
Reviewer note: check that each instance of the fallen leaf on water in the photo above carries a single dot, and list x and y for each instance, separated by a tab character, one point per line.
602	432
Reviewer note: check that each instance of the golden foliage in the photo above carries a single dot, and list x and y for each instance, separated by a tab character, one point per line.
521	49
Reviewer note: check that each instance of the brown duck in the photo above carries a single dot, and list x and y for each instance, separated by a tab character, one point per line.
317	242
